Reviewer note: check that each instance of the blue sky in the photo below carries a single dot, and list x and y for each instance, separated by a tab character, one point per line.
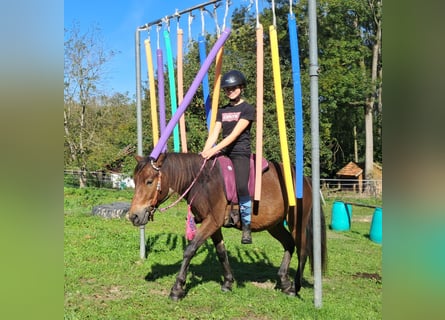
118	21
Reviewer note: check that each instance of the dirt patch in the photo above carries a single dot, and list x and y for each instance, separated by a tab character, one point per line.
111	293
336	235
264	285
373	276
362	219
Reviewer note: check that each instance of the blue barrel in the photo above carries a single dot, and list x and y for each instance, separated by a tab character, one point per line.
375	233
341	216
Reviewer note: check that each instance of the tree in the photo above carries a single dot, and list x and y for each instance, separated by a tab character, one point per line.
85	59
115	133
350	60
375	41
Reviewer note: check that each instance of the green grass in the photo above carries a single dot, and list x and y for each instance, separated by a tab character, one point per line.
106	279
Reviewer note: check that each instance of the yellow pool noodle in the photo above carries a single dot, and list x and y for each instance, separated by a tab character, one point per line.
280	115
216	88
151	81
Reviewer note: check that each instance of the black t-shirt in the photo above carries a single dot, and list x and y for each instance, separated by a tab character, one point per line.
229	115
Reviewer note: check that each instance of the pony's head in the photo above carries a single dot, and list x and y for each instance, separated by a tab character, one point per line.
149	191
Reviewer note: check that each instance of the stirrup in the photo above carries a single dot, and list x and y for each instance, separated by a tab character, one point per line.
246	237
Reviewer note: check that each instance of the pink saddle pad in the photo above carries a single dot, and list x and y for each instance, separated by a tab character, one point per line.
228	174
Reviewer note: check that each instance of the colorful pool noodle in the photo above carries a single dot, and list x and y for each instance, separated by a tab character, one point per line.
172	87
189	95
216	88
280	115
179	66
161	92
259	111
151	84
205	80
298	105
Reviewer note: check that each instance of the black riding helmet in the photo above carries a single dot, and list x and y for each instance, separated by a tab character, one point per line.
233	78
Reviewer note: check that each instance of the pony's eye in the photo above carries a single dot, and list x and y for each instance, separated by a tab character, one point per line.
149	182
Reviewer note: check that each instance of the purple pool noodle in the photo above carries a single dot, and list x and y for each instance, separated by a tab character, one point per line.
189	95
161	90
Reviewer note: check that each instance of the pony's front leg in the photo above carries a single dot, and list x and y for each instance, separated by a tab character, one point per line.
177	292
224	260
207	228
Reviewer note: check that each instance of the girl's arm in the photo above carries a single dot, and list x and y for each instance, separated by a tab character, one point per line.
210	150
213	136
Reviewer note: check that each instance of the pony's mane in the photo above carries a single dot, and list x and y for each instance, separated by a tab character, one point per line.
181	169
184	167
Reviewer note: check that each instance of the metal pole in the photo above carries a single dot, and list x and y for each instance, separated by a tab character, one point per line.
142	242
313	73
138	94
139	126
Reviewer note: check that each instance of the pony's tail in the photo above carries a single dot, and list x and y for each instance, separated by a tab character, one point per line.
310	241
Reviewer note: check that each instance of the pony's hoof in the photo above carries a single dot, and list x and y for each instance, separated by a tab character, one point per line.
176	296
289	291
226	287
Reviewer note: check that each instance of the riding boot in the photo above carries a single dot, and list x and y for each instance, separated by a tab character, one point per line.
245	205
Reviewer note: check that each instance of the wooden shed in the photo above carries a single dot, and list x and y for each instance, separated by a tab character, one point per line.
352	176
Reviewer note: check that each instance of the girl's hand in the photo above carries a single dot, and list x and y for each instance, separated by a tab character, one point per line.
207	154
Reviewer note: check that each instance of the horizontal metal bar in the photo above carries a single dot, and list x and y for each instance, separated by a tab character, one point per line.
362	205
176	14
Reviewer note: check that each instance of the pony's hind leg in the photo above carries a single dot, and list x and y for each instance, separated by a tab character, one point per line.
284	237
302	234
302	258
217	239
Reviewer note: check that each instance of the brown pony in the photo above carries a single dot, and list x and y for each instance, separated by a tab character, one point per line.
201	184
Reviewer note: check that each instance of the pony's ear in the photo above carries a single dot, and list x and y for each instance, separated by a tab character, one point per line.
138	158
161	159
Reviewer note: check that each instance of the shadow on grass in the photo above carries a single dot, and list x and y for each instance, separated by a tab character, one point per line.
247	265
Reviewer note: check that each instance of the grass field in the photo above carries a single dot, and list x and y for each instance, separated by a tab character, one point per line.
106	279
